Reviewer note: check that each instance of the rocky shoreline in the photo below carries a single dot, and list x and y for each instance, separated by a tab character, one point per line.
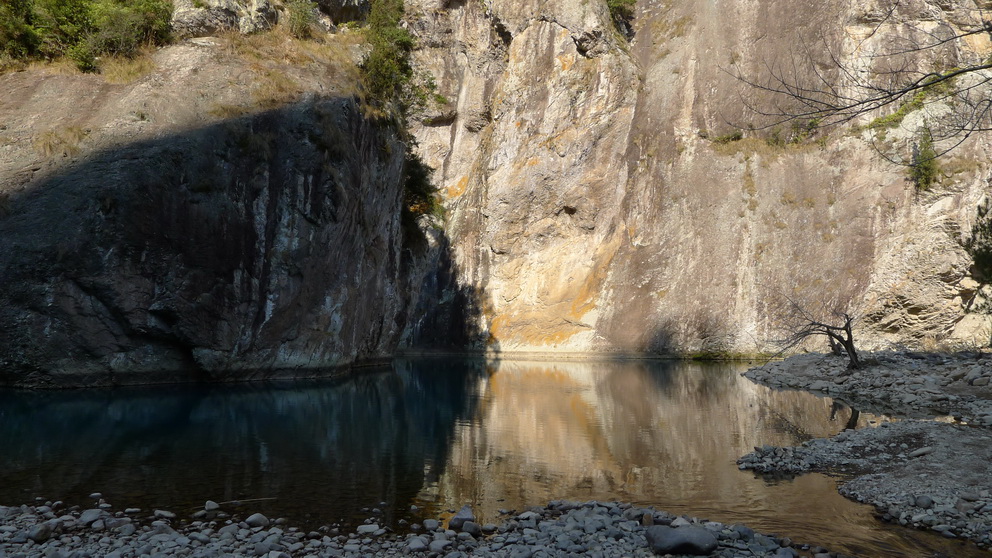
593	529
912	385
931	471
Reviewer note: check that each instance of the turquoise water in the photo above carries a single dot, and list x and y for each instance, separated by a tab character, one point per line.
438	433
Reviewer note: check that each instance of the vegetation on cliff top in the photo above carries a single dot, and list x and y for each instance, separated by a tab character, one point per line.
394	88
81	30
95	33
390	79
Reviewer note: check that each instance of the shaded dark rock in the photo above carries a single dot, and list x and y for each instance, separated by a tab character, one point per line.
459	519
342	11
205	255
745	532
472	528
694	541
40	533
257	520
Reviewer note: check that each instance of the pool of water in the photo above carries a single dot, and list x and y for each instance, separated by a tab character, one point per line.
438	433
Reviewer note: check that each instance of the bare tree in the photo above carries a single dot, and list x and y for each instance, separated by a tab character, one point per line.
896	64
800	324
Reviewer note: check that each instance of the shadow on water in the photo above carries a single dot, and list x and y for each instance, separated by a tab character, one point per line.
320	450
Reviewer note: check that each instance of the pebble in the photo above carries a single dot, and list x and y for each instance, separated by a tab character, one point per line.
594	529
164	514
367	529
257	520
459	519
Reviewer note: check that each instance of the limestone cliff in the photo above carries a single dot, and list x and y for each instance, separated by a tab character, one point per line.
592	209
230	214
231	210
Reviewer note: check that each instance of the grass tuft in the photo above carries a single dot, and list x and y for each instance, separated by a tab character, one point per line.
124	70
59	143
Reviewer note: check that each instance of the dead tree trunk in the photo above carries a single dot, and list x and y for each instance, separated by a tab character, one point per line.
803	324
847	341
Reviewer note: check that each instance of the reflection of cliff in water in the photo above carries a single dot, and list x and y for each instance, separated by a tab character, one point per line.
661	433
326	449
630	430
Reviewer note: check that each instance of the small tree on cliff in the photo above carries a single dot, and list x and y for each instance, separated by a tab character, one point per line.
799	323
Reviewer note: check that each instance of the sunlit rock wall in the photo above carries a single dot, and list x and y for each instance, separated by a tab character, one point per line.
592	210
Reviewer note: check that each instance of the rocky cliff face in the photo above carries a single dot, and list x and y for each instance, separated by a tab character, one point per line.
232	211
592	210
228	215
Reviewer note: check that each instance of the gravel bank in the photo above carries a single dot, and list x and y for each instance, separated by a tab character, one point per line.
590	529
915	385
927	474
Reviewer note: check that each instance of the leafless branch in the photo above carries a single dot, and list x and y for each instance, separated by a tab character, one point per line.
819	84
799	323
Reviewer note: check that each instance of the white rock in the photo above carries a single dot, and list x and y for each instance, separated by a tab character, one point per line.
257	520
164	514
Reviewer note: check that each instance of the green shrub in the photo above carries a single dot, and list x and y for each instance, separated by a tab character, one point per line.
81	30
736	135
60	24
386	72
803	130
419	194
622	12
18	39
82	56
121	28
390	81
774	138
419	198
924	169
302	17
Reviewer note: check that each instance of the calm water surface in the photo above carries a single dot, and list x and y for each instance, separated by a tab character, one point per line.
439	433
